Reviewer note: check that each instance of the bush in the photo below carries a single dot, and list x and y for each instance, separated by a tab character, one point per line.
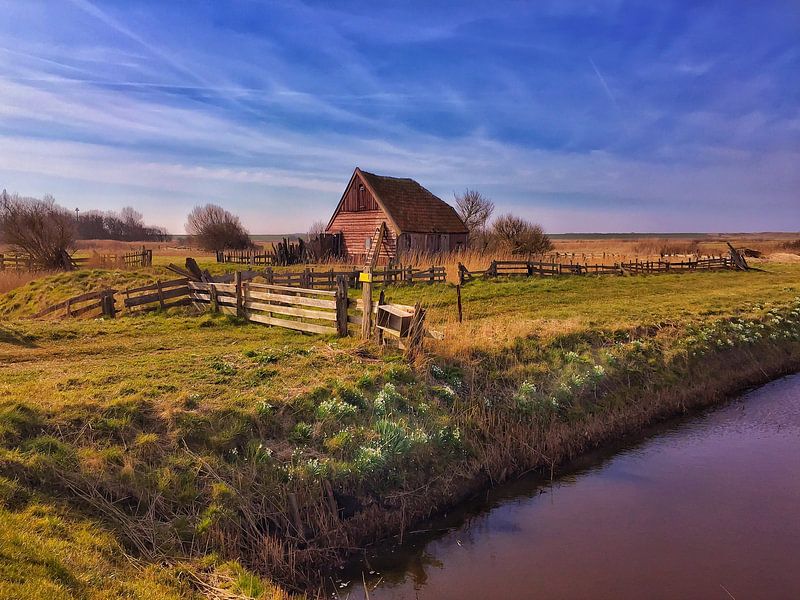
520	236
211	227
40	228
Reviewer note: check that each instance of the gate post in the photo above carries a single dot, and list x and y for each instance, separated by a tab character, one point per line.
366	296
341	306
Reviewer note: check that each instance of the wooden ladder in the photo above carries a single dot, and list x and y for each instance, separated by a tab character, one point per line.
375	246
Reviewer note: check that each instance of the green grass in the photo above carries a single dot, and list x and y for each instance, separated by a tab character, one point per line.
49	552
193	424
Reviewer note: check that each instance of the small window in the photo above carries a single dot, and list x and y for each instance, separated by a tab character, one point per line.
362	198
368	243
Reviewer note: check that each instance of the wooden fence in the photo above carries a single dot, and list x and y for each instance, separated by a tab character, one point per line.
160	295
14	261
100	303
309	310
390	275
129	260
529	268
24	262
246	257
329	312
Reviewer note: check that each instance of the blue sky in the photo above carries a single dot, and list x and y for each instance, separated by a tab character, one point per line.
584	116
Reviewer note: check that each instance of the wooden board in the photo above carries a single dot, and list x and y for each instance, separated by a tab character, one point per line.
298	325
290	310
315	302
283	288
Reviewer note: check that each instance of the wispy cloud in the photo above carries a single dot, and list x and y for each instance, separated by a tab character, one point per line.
604	83
265	106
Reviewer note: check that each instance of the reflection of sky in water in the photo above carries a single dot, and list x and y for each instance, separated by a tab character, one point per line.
706	502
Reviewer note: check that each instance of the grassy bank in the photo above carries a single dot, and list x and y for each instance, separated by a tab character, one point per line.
196	440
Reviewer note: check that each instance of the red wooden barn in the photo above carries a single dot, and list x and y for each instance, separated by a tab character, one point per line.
416	220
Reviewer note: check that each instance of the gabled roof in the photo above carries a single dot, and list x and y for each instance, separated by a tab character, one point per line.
410	207
413	208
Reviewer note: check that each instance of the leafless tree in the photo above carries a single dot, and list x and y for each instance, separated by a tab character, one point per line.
40	228
316	228
474	209
520	236
211	227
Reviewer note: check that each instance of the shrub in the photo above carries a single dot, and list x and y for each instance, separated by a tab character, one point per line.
40	228
211	227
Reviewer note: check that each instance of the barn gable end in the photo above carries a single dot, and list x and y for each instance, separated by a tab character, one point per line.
417	221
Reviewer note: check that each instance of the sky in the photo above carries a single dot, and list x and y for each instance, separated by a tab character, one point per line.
584	116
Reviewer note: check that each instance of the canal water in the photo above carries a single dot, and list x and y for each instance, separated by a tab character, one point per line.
706	507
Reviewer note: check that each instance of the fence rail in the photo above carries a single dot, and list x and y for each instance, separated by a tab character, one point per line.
529	268
15	261
102	301
129	260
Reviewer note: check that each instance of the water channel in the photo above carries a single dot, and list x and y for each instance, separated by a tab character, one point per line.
700	507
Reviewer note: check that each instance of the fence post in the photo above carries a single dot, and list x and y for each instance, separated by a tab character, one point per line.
416	331
378	331
366	296
458	296
341	306
2	262
160	294
212	293
237	280
107	305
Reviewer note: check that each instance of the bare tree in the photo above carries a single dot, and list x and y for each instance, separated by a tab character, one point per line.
211	227
520	236
40	228
474	209
316	228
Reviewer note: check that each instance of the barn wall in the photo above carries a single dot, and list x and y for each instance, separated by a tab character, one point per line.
431	242
358	219
356	227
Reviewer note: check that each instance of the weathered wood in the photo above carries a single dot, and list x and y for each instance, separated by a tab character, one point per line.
341	305
298	325
381	302
284	288
366	296
154	287
157	297
70	301
237	282
283	298
291	310
458	299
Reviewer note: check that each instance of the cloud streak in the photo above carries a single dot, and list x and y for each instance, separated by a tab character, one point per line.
265	108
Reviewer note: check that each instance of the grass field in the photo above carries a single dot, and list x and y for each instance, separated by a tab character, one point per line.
183	440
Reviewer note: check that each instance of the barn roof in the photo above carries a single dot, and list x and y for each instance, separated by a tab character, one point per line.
411	207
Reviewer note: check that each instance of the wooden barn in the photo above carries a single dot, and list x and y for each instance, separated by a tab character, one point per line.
416	220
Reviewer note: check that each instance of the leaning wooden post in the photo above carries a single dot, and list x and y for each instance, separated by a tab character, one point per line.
460	274
458	297
416	331
237	280
366	296
341	306
378	330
